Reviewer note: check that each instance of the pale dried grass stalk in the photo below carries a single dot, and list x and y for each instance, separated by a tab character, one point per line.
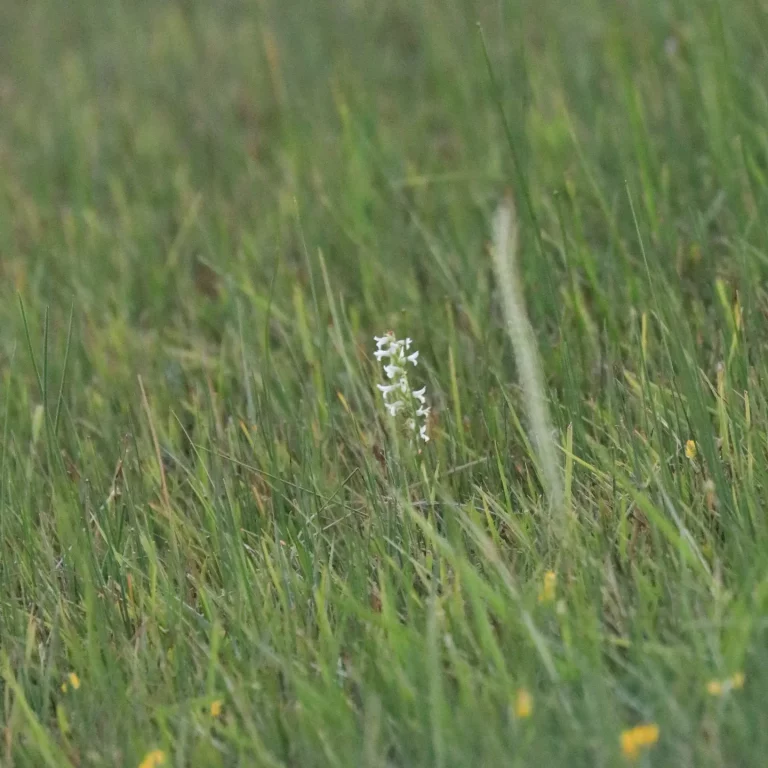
505	248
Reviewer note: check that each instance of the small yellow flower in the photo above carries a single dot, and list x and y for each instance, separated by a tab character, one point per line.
715	688
523	704
74	681
722	687
216	707
690	449
548	588
153	759
634	740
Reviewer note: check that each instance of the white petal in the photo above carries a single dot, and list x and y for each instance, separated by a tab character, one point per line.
392	370
403	383
419	394
393	408
386	389
423	433
414	358
423	411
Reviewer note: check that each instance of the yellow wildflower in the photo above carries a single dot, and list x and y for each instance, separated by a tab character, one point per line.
74	681
548	588
690	449
216	707
634	740
523	704
153	759
722	687
715	688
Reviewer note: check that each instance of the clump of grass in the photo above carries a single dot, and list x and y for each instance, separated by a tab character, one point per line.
217	546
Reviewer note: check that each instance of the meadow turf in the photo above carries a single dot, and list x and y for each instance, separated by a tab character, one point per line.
216	549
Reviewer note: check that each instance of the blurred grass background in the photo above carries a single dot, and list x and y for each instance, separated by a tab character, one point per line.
221	203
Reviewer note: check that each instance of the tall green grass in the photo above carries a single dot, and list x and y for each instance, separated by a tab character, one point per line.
207	210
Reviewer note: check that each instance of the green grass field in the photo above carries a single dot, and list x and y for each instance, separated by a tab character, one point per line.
216	546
